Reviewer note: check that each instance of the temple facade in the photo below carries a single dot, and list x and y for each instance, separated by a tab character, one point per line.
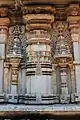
39	59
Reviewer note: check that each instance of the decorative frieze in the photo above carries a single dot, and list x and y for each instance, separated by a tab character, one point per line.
46	9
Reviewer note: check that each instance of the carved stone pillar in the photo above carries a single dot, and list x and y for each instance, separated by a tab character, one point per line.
74	20
3	41
39	68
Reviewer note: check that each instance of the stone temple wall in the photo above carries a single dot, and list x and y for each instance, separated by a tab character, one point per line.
39	54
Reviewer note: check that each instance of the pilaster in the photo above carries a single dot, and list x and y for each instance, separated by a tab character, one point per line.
4	22
74	20
62	56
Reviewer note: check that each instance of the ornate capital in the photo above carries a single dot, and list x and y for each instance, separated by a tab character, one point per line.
38	26
74	21
33	18
73	10
38	21
39	17
73	16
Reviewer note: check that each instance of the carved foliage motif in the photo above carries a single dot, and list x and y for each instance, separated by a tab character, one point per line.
62	46
17	43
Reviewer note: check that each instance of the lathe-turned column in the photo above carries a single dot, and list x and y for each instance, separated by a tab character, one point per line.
74	21
3	40
39	67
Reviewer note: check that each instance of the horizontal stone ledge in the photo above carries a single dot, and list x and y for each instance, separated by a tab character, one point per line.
13	110
41	108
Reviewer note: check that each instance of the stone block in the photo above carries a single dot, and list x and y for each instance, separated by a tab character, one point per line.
12	98
65	99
